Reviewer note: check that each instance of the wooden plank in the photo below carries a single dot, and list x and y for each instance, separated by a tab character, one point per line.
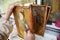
35	17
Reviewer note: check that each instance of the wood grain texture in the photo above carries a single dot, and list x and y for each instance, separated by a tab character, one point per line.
34	16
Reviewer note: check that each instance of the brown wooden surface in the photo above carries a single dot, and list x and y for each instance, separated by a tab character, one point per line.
42	14
30	18
16	11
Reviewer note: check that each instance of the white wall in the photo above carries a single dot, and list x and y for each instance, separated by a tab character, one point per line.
39	2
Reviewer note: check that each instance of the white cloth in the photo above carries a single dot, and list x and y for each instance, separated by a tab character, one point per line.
5	27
